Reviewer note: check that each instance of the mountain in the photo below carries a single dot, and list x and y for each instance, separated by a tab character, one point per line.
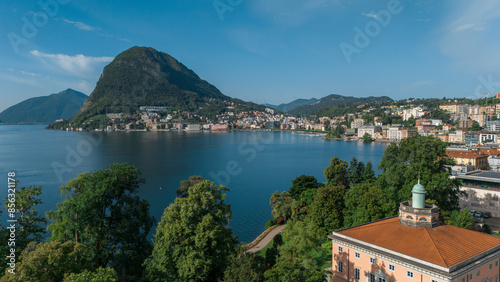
46	109
287	107
142	76
336	100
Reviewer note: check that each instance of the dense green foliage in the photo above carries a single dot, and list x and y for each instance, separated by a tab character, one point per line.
193	241
46	109
100	275
245	267
366	202
336	172
335	100
31	226
50	261
461	218
301	184
415	158
327	210
102	210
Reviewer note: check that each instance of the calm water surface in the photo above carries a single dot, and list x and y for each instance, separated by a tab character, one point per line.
251	164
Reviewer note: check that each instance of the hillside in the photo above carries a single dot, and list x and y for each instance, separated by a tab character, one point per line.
287	107
142	76
336	100
45	109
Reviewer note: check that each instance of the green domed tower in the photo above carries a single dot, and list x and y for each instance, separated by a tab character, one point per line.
418	196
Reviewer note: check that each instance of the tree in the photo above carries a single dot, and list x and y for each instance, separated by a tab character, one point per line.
293	271
102	210
414	158
100	275
50	261
301	184
326	214
364	203
367	138
245	267
368	172
193	240
475	126
31	225
294	262
185	184
461	219
336	173
282	204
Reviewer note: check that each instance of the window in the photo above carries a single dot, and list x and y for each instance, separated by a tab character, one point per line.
372	277
341	266
496	263
477	273
470	276
391	267
357	255
463	279
434	280
491	266
357	274
340	249
372	260
409	274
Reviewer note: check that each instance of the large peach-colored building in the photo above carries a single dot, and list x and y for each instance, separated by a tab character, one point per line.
414	247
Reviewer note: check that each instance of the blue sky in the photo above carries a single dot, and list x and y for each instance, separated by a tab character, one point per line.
260	50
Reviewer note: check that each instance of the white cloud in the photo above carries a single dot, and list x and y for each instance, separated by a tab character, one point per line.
114	37
80	25
79	65
369	15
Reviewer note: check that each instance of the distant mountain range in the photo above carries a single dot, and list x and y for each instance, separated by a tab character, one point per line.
46	109
286	107
335	100
142	76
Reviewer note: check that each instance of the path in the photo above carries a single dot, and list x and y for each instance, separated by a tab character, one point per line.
269	237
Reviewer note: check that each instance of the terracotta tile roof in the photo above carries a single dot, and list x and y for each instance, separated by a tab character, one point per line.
445	245
490	151
465	154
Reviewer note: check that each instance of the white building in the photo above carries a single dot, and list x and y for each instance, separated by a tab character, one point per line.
417	112
456	137
487	136
394	133
368	129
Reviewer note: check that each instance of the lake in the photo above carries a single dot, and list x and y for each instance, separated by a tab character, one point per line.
252	164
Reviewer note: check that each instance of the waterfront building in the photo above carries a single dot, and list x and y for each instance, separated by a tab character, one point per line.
368	129
414	247
394	133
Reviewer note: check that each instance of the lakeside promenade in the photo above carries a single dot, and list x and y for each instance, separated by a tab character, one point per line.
268	238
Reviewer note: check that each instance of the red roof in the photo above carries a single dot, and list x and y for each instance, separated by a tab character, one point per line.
445	245
465	154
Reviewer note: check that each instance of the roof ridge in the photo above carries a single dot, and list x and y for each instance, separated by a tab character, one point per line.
363	225
437	249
